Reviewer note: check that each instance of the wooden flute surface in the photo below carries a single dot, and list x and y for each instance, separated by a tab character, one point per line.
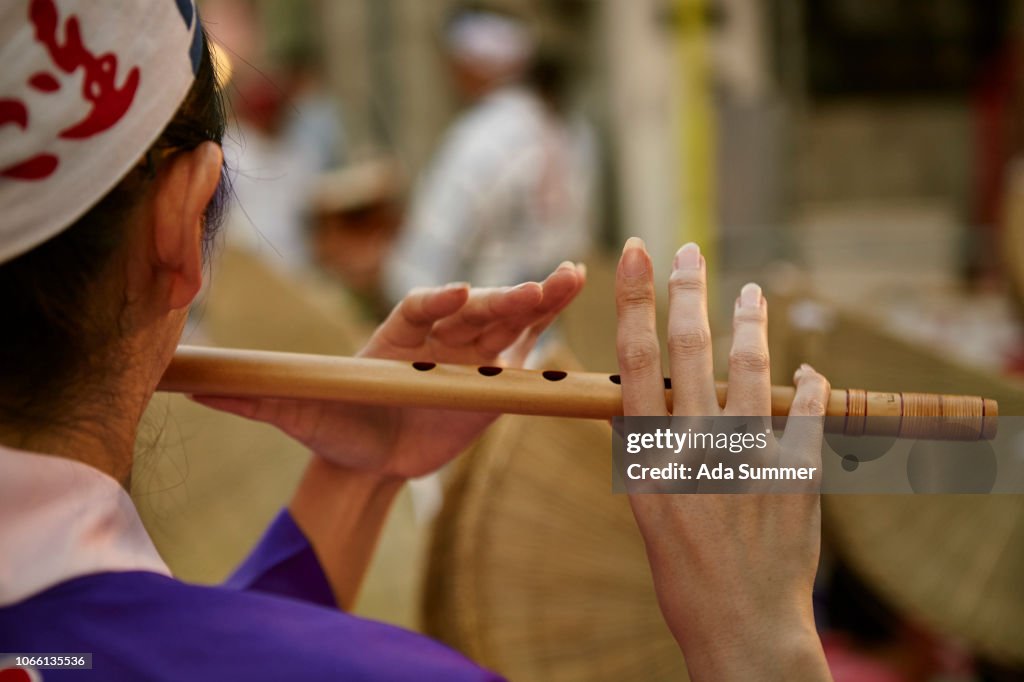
589	395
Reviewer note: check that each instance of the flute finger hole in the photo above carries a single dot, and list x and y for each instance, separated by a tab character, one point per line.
617	380
553	374
489	371
424	366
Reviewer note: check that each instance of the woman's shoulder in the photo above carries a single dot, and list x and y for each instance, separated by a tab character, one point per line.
142	625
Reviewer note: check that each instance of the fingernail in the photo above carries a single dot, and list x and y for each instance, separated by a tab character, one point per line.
634	257
750	296
565	264
456	285
581	268
805	366
687	257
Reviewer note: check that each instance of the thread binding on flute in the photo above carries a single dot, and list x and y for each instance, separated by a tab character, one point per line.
942	416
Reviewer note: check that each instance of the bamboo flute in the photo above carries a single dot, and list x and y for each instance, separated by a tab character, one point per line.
588	395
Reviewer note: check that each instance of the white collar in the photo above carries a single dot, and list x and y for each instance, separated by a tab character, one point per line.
60	519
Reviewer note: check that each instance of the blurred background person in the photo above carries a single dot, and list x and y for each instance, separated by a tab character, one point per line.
509	190
356	212
286	127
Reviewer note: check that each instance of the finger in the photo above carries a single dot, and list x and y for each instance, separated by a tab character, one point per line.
484	308
643	388
750	389
689	336
560	288
243	407
801	443
297	418
271	410
555	290
410	322
804	428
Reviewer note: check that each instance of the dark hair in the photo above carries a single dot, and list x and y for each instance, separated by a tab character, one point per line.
550	76
61	317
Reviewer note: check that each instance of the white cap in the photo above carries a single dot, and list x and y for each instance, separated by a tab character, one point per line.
86	87
492	40
358	185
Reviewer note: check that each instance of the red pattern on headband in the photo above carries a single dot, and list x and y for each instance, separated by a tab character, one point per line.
13	111
109	103
38	167
44	82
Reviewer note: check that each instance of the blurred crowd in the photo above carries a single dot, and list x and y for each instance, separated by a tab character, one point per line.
507	194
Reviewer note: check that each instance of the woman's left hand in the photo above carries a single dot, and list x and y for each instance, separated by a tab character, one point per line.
453	324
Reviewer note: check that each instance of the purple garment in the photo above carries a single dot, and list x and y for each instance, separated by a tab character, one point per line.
273	620
285	564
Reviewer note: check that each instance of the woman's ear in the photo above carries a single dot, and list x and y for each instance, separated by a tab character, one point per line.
184	189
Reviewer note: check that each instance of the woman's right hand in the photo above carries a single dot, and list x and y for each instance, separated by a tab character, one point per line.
733	573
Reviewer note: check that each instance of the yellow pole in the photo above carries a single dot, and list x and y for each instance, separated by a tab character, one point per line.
697	130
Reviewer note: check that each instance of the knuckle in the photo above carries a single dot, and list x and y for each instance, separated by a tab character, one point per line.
809	406
634	297
497	339
750	360
411	308
686	285
689	342
750	315
638	356
477	317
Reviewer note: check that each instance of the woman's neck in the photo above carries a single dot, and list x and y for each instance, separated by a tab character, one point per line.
101	433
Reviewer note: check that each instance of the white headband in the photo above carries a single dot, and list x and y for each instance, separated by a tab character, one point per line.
489	39
86	87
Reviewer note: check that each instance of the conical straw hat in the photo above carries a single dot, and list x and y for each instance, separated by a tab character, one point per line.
955	563
537	570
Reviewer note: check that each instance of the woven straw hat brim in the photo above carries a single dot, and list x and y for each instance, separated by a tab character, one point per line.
537	570
955	563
